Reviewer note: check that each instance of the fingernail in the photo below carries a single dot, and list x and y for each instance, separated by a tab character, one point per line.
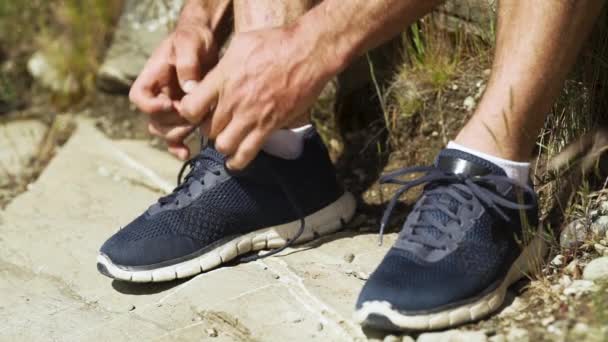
188	86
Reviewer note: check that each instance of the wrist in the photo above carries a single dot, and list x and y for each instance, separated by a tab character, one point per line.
316	38
203	14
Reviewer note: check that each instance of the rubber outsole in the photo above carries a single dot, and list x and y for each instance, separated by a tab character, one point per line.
380	314
325	221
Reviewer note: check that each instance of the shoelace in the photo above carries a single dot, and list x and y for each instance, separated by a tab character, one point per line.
457	187
183	183
194	165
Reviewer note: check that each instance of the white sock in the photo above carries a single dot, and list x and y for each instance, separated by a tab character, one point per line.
515	170
286	143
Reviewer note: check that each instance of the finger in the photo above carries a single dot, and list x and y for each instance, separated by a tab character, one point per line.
247	150
149	100
171	134
188	50
206	127
198	103
145	91
231	137
172	87
217	122
181	151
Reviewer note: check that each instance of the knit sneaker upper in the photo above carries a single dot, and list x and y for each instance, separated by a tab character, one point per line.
460	238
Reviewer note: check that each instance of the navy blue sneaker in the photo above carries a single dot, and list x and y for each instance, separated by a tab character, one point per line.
465	242
214	215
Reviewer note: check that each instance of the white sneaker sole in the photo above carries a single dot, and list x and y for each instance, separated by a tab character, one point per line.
325	221
380	314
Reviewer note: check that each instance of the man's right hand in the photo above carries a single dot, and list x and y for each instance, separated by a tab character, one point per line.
176	67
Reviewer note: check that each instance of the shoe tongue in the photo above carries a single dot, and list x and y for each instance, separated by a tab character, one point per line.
463	163
456	162
213	157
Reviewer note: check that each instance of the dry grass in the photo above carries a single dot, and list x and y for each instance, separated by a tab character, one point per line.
70	34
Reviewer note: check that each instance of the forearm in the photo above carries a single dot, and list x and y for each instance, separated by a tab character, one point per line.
348	29
207	13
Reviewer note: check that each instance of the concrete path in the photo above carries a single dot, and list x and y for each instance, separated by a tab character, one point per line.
50	289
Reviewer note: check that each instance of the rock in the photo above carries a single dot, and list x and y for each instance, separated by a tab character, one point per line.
349	257
600	226
597	269
141	27
574	234
211	332
517	335
573	269
469	103
470	16
453	336
600	249
580	287
565	281
558	328
49	76
558	260
20	142
320	326
580	329
604	208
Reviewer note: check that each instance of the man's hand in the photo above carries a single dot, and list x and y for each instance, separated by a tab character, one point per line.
265	81
174	69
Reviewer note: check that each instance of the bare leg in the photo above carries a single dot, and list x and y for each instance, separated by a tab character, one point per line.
252	15
537	43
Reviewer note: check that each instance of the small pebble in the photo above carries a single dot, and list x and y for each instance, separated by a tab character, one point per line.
573	235
130	307
599	248
518	335
558	260
469	103
565	281
604	208
548	320
320	326
276	276
349	257
580	287
211	332
599	227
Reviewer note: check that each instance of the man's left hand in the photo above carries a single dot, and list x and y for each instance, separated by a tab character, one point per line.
266	80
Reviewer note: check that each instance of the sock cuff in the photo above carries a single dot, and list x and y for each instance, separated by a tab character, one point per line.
513	169
489	157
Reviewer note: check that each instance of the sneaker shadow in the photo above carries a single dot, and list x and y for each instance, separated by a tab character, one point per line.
139	289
